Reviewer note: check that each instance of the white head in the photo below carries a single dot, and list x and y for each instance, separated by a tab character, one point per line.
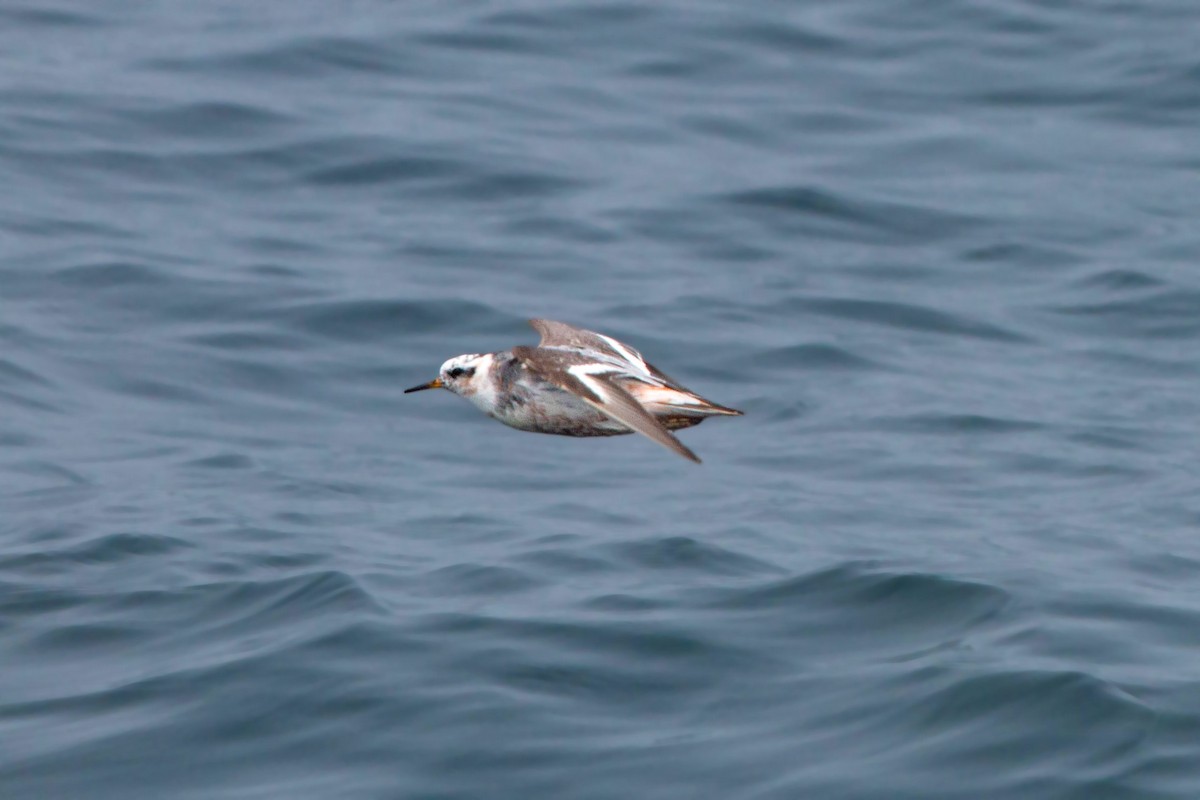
464	375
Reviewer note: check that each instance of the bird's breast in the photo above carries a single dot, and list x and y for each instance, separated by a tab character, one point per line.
549	409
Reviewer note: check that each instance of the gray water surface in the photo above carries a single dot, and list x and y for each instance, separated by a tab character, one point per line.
943	254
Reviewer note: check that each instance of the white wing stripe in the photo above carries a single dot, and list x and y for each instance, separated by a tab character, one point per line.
594	368
584	373
629	355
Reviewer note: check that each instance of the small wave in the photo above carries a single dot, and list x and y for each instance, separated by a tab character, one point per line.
1120	280
79	638
480	580
568	19
825	213
814	357
895	616
1006	697
956	424
1172	313
385	320
1023	254
110	549
24	387
858	582
250	340
222	461
114	275
298	57
491	39
210	120
385	169
215	611
902	315
32	17
683	553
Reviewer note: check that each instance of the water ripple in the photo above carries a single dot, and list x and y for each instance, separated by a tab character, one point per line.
824	213
942	254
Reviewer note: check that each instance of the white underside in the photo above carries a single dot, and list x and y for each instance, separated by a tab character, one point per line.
549	409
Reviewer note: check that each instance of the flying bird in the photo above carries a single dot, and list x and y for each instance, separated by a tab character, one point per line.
577	383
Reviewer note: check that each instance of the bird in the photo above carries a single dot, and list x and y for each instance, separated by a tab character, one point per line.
577	382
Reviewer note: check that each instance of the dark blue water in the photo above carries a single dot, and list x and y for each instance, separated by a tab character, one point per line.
944	254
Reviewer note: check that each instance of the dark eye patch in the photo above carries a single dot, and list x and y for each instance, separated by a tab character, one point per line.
458	372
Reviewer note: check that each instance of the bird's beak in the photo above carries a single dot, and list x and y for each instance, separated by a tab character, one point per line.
436	383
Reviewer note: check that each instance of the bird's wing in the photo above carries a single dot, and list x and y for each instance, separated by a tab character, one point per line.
595	383
560	334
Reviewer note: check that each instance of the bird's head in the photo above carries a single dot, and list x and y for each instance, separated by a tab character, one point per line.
460	375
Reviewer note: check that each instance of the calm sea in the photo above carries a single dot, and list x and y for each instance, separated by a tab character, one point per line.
945	254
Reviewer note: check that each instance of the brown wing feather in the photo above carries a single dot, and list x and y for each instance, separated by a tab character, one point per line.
560	334
615	402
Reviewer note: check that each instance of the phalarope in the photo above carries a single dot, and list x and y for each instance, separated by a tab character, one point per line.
577	383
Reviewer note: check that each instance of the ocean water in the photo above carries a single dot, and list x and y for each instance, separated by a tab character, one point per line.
944	254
